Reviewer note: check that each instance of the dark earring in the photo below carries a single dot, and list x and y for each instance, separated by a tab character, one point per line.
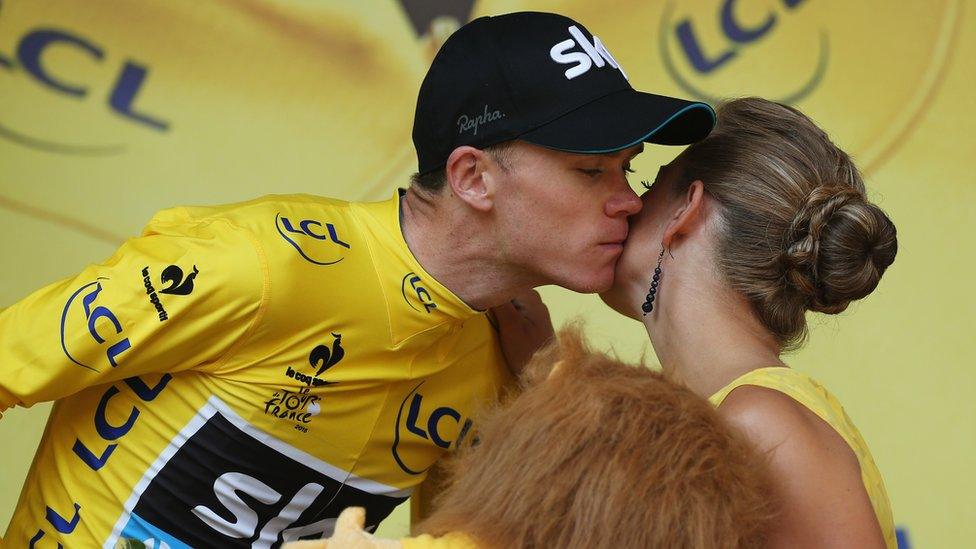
648	305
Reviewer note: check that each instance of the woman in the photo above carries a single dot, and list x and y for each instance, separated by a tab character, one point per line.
739	236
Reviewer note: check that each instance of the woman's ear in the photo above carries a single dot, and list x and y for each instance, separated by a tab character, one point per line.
688	216
470	179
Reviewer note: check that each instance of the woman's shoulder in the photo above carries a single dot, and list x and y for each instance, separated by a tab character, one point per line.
782	405
771	418
802	447
816	471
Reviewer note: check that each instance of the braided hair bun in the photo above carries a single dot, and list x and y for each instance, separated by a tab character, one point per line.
837	248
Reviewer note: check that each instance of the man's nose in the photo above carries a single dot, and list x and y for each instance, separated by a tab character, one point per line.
626	203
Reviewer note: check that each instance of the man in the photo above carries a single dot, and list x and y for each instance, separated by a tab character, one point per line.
240	374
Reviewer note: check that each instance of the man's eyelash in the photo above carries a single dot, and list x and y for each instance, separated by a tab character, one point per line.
646	185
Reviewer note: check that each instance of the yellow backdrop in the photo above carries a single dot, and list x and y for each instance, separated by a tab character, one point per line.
110	111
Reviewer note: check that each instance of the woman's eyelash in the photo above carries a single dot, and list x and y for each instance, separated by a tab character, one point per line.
593	172
646	185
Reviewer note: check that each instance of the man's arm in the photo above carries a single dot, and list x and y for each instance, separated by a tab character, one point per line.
181	296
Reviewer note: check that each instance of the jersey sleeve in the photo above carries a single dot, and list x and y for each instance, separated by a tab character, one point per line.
179	297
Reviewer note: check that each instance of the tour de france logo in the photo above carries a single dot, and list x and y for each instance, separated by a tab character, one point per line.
866	71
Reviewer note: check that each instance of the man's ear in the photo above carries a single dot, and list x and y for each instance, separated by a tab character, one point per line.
468	175
688	216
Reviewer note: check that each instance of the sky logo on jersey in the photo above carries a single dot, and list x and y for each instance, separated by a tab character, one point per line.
317	242
414	293
438	426
90	330
223	482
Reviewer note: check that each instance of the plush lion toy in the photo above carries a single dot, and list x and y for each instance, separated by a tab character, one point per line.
592	453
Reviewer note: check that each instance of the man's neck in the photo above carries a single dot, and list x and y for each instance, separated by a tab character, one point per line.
457	249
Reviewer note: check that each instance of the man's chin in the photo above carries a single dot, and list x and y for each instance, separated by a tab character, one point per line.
598	283
615	299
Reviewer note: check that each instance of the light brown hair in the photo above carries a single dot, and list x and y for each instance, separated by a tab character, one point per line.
798	232
603	454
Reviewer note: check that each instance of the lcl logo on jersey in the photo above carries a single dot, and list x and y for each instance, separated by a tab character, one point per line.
594	53
317	242
435	425
89	329
96	455
415	294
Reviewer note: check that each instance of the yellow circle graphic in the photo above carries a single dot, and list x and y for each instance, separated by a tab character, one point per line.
849	65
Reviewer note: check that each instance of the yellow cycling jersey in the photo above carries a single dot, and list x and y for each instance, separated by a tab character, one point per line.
238	375
813	396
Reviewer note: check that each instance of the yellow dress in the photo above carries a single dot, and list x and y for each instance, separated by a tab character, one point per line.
815	398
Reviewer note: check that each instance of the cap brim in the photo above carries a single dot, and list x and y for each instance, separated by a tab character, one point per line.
623	119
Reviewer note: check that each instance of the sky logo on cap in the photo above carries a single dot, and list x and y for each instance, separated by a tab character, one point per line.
593	54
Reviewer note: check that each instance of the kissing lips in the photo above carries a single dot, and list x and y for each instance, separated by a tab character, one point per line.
615	245
612	247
